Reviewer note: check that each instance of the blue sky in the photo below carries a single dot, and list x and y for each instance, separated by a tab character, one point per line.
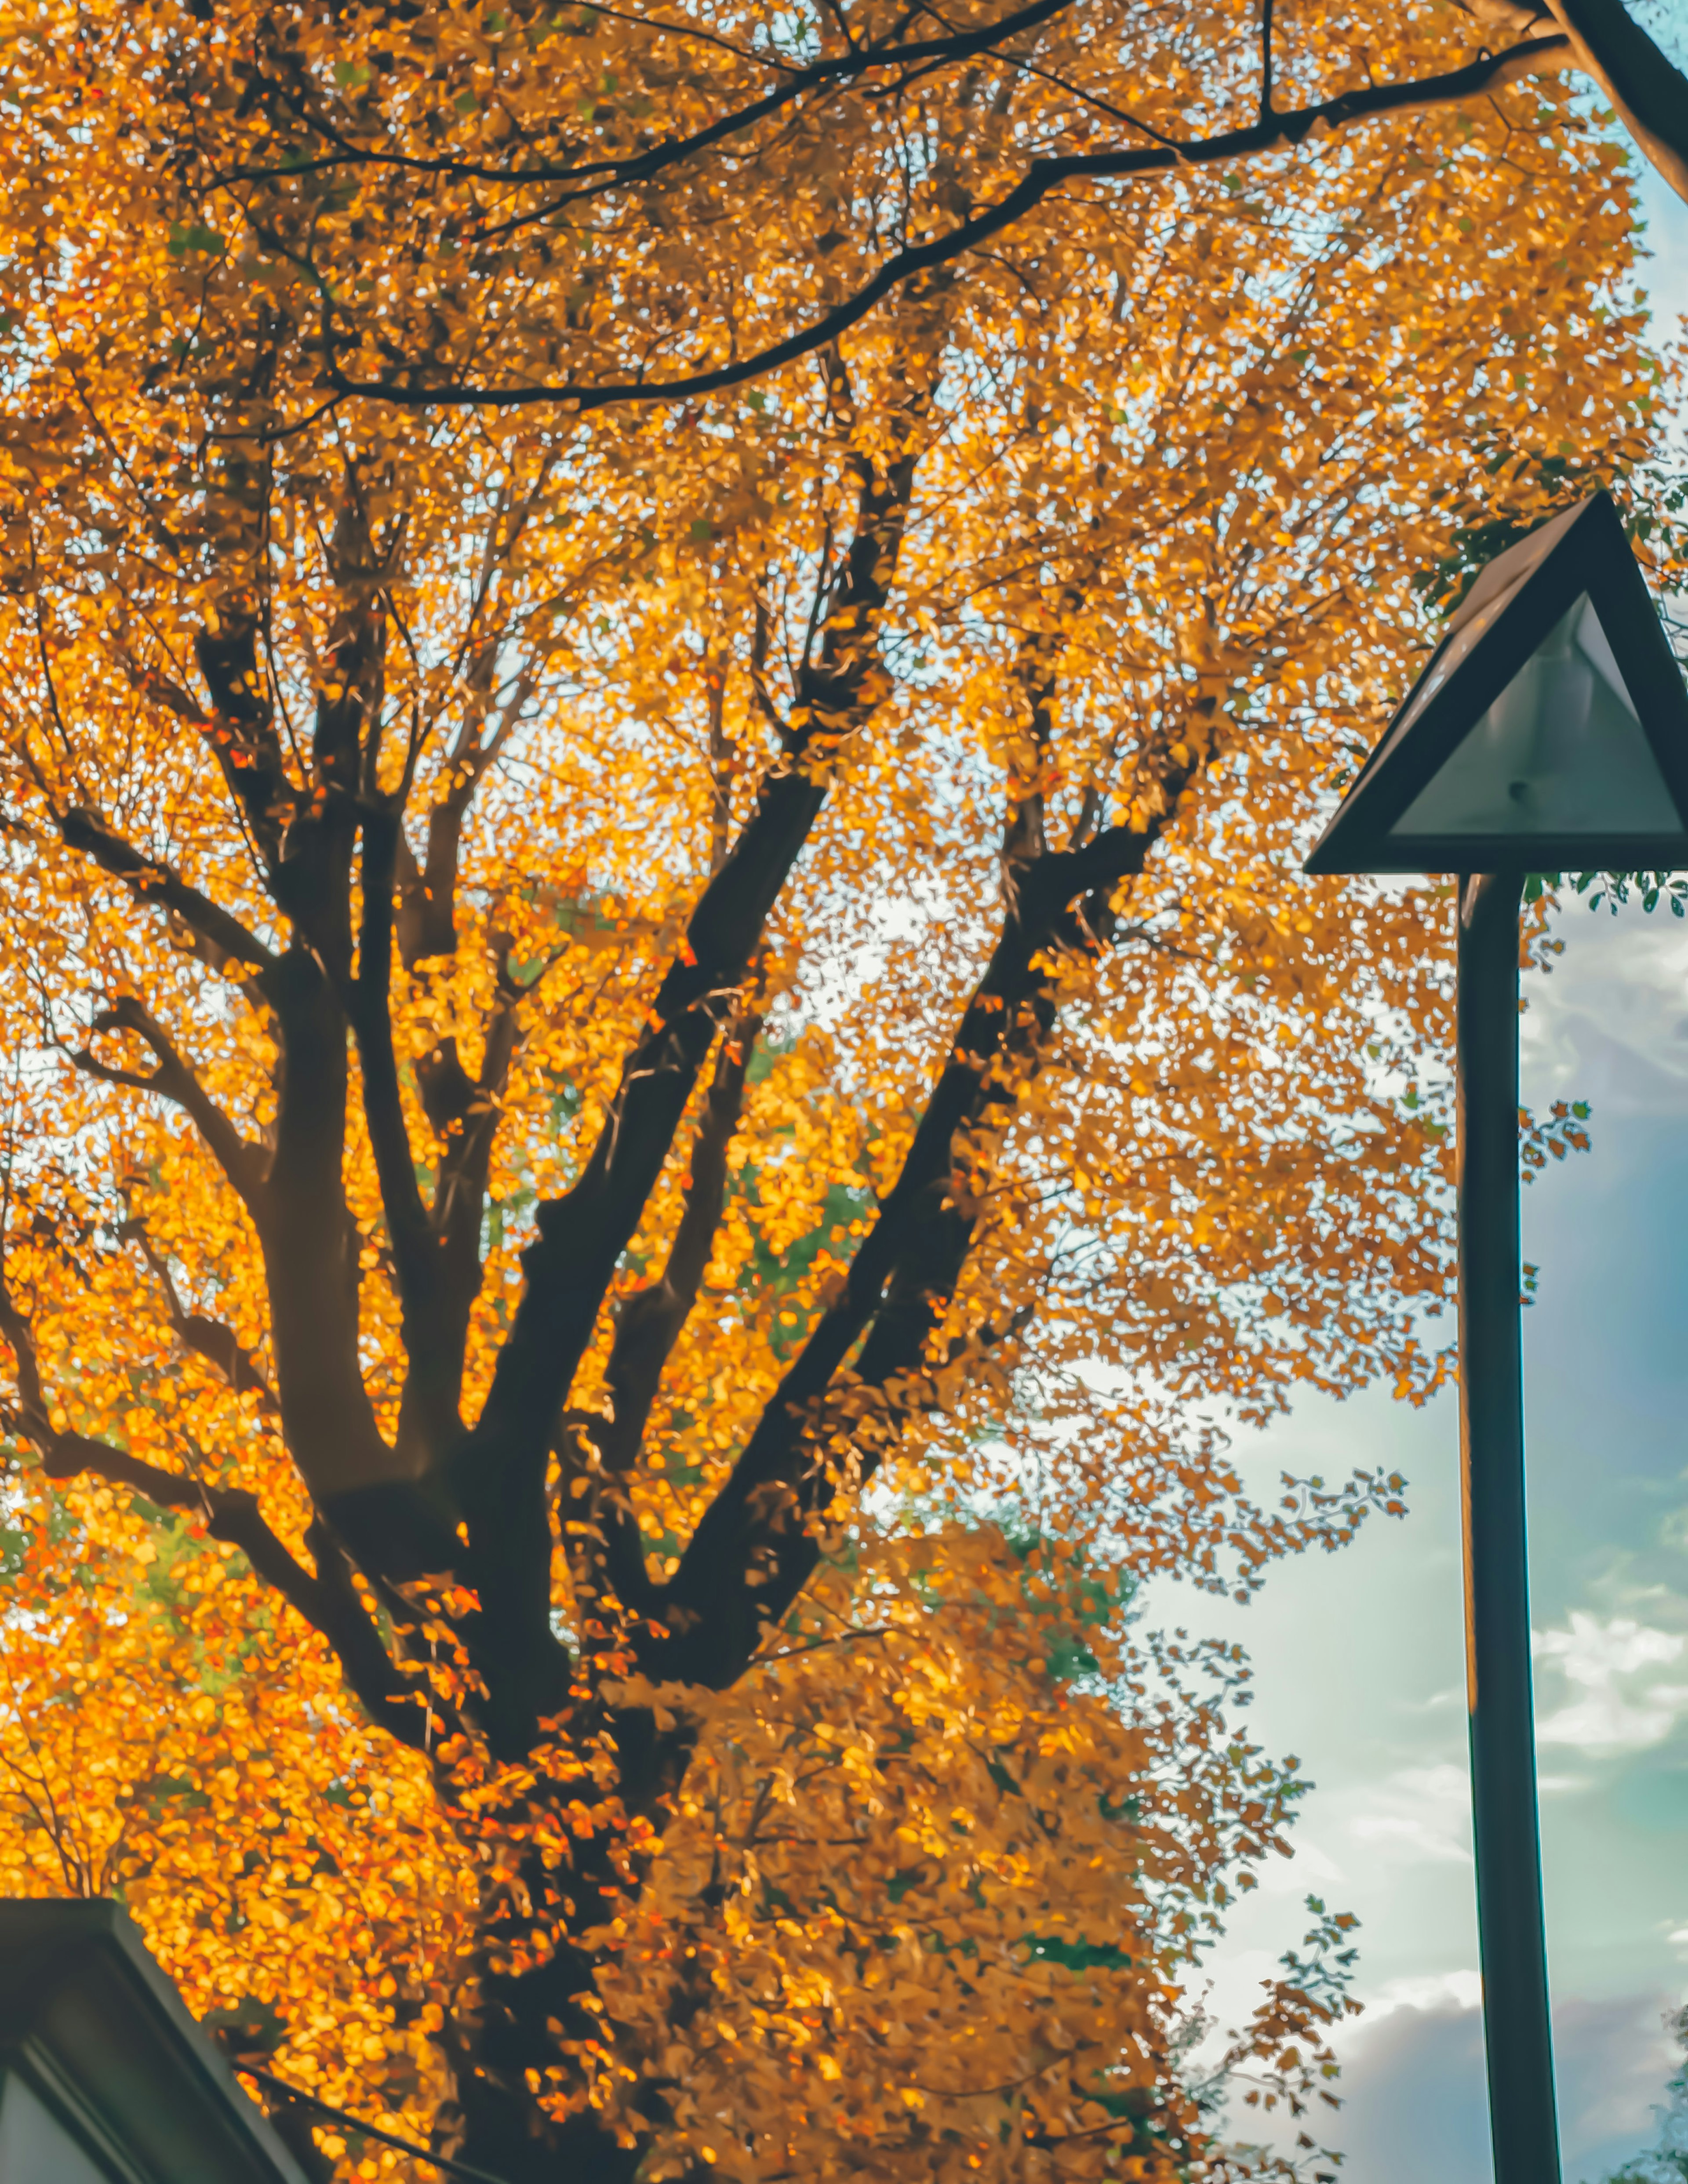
1359	1655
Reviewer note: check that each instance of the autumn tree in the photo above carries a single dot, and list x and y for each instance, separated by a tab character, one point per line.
588	998
926	1886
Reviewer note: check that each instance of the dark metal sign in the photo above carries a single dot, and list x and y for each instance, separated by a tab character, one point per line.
1548	731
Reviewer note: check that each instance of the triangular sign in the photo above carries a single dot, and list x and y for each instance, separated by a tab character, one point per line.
1548	732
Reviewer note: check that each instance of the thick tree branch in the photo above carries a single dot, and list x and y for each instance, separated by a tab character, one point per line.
464	1112
585	1232
312	1245
33	1413
753	1551
653	1318
409	1231
609	1554
209	1339
498	1476
750	1553
411	386
1649	90
311	1261
244	1165
327	1601
150	881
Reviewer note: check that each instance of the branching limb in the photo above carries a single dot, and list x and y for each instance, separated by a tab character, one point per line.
312	1264
760	638
244	1165
327	1600
653	1318
1266	60
410	385
861	58
464	1112
750	1553
585	1232
409	1231
313	1248
1649	90
209	1339
150	881
720	760
32	1402
611	1554
499	1477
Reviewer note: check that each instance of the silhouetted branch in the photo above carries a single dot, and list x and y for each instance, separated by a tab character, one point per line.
409	1231
750	1553
243	1164
498	1474
1649	90
209	1339
599	175
411	386
328	1602
151	881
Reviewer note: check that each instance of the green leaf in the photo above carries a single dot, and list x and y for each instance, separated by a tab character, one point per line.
196	238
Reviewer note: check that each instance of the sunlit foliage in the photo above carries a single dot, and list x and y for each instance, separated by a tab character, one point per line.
599	1002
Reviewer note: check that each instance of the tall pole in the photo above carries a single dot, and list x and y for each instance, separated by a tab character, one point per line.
1513	1943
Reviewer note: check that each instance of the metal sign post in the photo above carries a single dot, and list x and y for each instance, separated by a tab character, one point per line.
1547	732
1511	1936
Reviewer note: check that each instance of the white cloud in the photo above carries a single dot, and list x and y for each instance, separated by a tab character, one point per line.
1421	1813
1454	1990
1618	1701
1414	1837
1610	1024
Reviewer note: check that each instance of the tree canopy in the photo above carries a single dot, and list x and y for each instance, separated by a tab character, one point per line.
496	206
664	1065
